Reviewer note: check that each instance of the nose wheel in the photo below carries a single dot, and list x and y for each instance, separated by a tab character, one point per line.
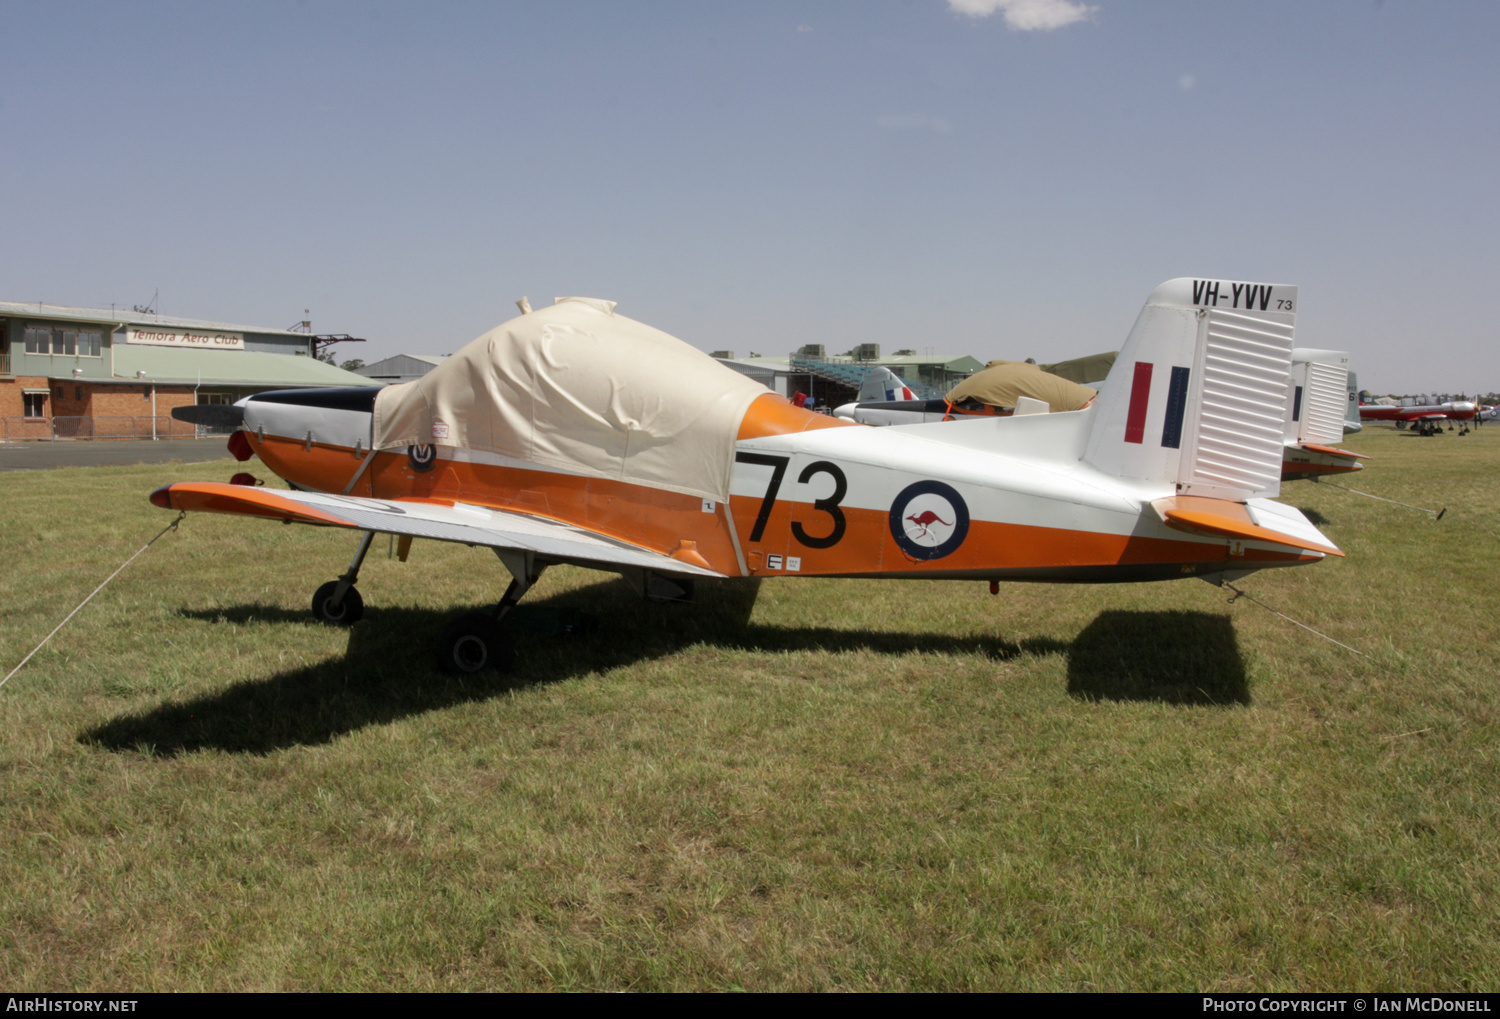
337	603
328	608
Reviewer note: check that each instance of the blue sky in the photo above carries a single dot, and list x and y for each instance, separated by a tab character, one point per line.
1004	179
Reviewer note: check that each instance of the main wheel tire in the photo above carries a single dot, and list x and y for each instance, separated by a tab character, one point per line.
346	613
473	644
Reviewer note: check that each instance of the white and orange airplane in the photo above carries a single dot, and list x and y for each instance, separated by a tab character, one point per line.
575	435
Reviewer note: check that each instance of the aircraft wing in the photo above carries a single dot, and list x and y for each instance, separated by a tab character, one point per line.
442	521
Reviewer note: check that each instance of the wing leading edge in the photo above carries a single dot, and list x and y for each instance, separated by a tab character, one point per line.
459	522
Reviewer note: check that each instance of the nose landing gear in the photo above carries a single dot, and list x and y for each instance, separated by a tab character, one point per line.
328	608
472	643
337	602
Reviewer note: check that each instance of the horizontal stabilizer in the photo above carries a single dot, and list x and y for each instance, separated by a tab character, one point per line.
1314	448
1224	519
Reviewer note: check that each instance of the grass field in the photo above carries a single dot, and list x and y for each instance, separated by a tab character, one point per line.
830	785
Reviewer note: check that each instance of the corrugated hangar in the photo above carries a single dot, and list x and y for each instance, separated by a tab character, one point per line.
401	368
90	372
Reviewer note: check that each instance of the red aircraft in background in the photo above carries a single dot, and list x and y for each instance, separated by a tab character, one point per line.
1426	419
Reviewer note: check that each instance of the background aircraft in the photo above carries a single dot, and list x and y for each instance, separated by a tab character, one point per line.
1426	419
575	435
1318	406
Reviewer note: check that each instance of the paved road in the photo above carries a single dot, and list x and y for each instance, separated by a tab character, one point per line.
36	456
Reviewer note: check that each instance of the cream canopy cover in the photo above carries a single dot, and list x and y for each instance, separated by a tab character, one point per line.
581	389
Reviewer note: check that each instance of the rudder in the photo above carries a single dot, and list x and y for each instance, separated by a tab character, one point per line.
1198	394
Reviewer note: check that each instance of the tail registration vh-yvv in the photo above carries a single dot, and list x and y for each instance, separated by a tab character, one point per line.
575	435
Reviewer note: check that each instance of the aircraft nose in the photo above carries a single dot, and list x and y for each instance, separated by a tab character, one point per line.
211	415
329	417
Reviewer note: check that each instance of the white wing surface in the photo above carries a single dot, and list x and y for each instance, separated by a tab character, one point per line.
550	540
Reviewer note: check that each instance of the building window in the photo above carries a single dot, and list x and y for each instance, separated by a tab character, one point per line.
67	341
36	404
78	393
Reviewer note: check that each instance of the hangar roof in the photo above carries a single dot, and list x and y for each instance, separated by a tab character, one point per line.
401	367
228	367
36	309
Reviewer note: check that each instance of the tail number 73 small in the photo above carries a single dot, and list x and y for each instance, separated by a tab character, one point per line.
828	505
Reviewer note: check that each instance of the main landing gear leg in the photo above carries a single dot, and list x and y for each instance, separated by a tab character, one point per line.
338	602
478	641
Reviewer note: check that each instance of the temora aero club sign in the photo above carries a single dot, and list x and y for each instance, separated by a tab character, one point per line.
185	338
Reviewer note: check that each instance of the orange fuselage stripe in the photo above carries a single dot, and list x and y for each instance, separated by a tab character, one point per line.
665	521
662	521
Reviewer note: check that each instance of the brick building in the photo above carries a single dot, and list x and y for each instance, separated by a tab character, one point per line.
88	372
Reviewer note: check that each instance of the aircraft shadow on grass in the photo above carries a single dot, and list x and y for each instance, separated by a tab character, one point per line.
386	673
1171	657
1313	516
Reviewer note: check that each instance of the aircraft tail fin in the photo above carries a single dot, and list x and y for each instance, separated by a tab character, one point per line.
1198	395
1319	394
1352	422
881	385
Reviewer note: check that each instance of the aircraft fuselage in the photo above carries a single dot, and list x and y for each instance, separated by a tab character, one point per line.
809	496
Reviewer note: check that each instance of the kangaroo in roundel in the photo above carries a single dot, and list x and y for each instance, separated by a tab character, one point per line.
926	519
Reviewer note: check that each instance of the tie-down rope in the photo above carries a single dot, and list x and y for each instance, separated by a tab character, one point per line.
170	527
